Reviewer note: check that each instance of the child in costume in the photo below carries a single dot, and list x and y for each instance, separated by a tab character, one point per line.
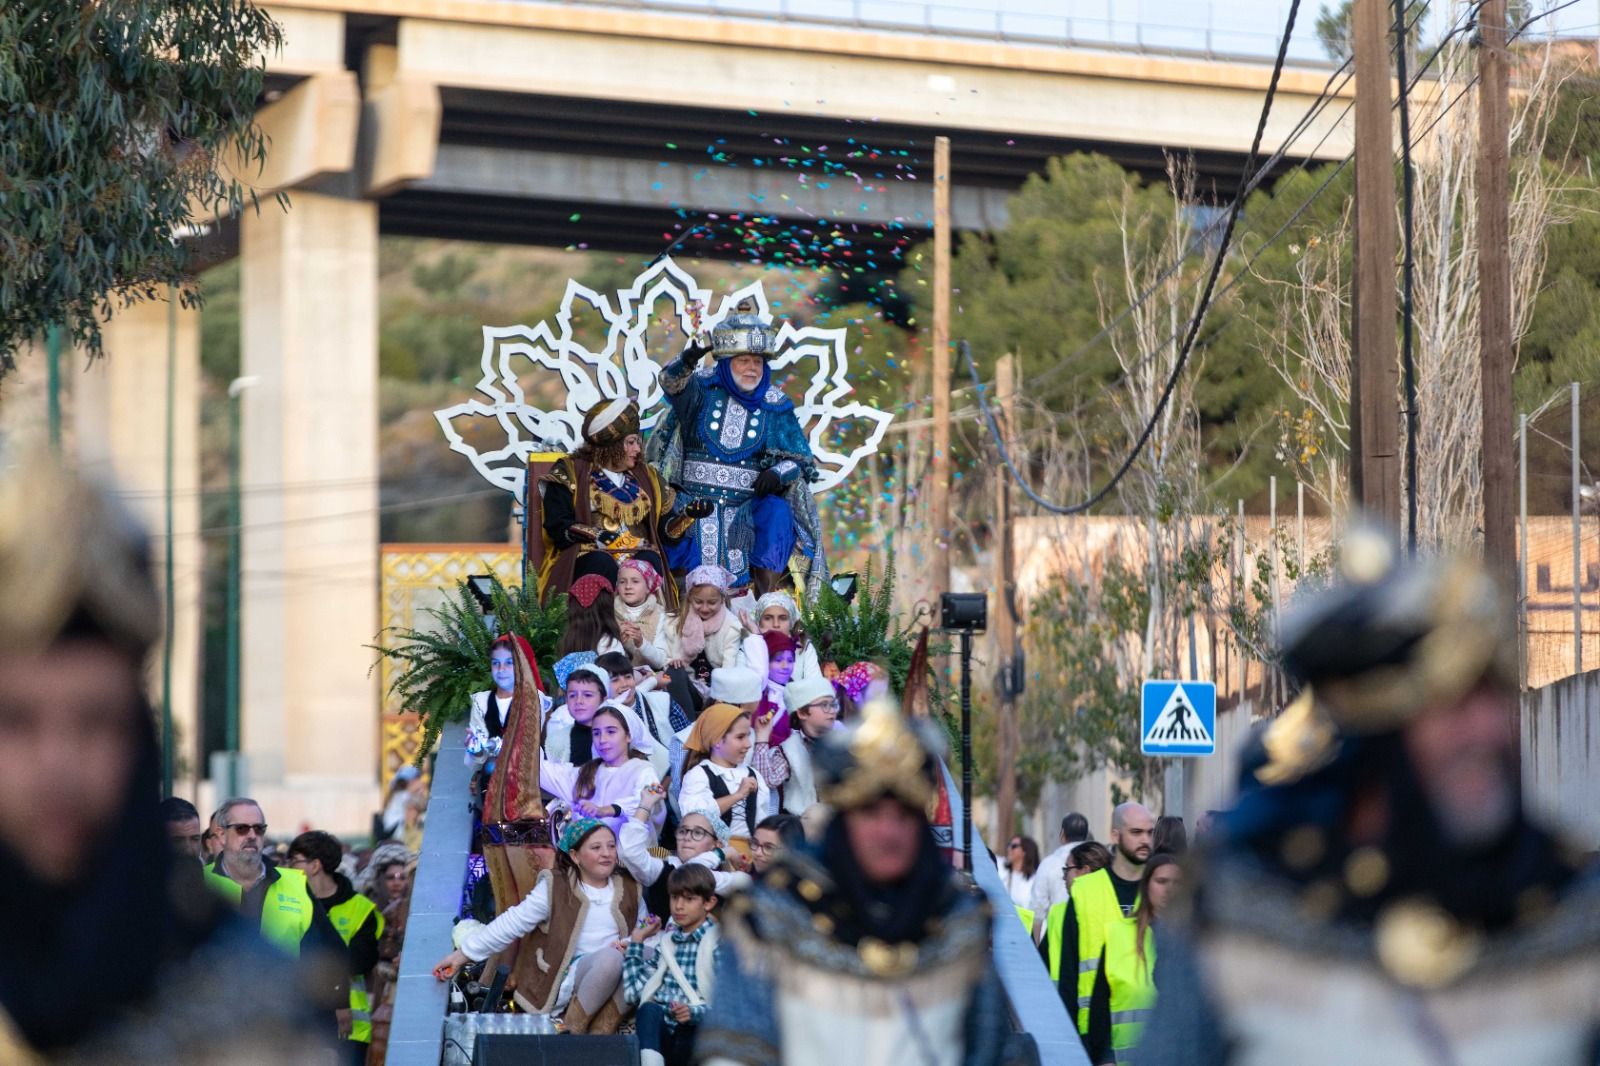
714	774
702	839
672	983
570	923
641	615
660	713
610	785
591	607
706	636
777	611
568	737
486	719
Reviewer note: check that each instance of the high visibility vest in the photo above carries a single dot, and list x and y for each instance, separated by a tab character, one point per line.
286	913
348	917
1094	903
1027	919
1132	984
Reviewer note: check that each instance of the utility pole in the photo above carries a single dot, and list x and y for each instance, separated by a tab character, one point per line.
1374	406
1494	294
1005	626
939	510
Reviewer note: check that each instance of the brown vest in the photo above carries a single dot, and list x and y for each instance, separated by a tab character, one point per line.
546	952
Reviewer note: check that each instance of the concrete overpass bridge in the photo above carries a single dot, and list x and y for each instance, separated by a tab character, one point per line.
551	124
498	120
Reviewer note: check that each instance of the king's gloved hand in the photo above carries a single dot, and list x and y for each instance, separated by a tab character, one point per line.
699	508
768	483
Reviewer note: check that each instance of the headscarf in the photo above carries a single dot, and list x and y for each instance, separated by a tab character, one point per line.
719	828
588	588
855	679
710	727
694	631
568	663
750	399
639	738
572	836
591	670
652	580
779	598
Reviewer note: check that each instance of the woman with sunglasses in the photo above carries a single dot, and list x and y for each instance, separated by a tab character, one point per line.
1018	867
702	839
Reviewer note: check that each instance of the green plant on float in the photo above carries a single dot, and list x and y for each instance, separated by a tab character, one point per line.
439	668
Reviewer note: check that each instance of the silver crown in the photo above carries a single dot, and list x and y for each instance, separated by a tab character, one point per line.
743	333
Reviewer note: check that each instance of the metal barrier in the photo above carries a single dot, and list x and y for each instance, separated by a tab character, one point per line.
1035	1005
1138	35
416	1036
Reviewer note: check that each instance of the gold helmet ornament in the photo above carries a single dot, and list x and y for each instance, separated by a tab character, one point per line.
71	560
744	333
1394	638
882	754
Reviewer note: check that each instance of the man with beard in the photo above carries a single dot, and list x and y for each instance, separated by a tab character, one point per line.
1378	894
279	902
1096	901
869	949
734	444
111	950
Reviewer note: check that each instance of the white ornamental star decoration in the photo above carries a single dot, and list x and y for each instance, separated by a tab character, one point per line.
624	366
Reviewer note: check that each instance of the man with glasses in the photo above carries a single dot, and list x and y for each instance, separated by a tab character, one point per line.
786	767
277	900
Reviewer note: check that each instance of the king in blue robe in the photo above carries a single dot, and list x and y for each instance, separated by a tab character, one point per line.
732	439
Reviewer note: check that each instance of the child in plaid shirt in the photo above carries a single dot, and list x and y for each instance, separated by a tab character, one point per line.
672	985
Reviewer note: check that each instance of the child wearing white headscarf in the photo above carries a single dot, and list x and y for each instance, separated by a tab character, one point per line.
777	610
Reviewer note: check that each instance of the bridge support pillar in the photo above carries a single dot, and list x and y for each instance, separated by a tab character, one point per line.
309	279
120	417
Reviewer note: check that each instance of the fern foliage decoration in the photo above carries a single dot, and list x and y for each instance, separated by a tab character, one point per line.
865	629
439	667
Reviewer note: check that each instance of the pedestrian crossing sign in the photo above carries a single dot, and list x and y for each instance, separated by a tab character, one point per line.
1179	718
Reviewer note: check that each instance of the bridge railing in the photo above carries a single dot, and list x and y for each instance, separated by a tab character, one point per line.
1202	37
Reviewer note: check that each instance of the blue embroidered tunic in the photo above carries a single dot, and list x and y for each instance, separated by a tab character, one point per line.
713	445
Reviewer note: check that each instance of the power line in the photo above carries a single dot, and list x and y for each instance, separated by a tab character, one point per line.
1194	322
1407	273
1205	297
1320	104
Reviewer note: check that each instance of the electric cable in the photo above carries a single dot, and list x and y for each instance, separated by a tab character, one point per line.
1205	298
1408	268
979	387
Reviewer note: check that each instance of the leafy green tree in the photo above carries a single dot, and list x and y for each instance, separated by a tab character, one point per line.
112	120
1333	27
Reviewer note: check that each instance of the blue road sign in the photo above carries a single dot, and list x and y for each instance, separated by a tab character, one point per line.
1178	718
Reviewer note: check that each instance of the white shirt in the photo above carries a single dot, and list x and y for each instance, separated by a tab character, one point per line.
598	932
1050	882
633	848
696	794
622	785
1018	886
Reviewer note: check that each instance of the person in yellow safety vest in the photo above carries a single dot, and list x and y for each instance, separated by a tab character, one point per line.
277	901
1130	961
317	854
1095	901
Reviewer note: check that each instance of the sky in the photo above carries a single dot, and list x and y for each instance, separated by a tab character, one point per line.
1230	27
